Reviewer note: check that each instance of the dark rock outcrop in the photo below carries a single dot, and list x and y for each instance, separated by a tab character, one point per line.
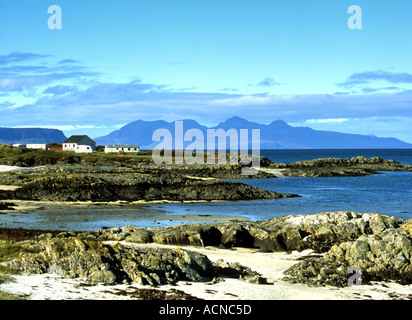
318	232
336	167
6	206
131	187
95	262
382	256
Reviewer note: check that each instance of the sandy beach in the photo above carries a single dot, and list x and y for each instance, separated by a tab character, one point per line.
269	265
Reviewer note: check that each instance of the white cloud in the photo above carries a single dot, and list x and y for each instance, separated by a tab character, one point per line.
268	82
396	126
337	120
66	127
242	101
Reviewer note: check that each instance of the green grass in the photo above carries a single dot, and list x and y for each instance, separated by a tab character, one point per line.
14	155
11	250
9	296
7	151
7	252
5	276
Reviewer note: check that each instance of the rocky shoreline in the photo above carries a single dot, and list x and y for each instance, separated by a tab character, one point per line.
112	182
132	183
133	187
380	246
336	167
98	262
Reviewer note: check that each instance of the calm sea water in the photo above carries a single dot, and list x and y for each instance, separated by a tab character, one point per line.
388	193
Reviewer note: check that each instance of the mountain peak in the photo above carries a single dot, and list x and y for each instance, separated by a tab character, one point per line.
237	122
279	123
237	119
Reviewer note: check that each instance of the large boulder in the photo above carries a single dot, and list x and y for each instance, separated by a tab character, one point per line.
337	167
322	231
385	255
235	235
318	232
95	262
193	234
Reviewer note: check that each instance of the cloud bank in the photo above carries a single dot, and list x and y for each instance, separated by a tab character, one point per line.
68	95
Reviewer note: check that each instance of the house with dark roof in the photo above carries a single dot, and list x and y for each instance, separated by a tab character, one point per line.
79	144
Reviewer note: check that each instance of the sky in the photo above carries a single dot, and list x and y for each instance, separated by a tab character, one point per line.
114	62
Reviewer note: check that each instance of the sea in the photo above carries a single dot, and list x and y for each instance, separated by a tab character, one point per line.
387	193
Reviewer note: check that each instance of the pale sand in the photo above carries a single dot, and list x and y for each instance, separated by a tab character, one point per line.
19	205
269	265
275	172
8	187
88	203
4	168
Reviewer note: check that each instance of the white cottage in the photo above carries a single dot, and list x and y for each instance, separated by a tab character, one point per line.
79	144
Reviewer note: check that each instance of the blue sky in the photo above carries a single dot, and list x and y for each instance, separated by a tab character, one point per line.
114	62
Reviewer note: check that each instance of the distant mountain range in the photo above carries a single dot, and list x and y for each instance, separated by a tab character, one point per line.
276	135
30	135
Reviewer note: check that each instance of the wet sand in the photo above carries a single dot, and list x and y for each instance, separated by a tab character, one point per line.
91	216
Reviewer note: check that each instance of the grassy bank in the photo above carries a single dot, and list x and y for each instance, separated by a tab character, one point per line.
8	251
16	156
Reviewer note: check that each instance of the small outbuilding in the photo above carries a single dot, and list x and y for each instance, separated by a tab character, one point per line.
41	146
122	149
